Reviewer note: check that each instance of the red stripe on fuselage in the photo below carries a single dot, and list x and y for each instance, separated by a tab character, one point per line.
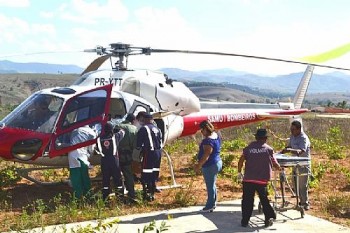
224	118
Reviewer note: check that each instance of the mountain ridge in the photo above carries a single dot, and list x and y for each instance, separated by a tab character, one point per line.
285	84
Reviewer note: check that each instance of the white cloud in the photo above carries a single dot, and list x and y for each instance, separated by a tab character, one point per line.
46	14
90	12
14	3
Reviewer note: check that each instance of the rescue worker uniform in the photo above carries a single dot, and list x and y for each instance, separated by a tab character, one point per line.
149	141
125	150
107	146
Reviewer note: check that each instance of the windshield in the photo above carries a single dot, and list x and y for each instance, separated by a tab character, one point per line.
38	113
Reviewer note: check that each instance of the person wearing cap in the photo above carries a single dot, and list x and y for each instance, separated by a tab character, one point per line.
79	161
39	113
209	161
259	158
107	147
125	149
149	142
299	145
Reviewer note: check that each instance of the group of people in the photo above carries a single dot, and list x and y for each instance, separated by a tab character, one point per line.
134	143
258	161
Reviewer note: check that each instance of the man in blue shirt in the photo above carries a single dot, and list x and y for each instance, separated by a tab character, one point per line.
299	145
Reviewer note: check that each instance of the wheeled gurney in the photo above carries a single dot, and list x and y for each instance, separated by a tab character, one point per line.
284	192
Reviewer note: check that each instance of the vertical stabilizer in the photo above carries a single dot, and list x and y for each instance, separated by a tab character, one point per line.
302	88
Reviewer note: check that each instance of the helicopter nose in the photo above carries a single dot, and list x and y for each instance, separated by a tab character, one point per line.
19	144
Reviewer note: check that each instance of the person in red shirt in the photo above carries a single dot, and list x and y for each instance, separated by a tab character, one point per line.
258	157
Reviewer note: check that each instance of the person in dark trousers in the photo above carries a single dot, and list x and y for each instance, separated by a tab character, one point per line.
259	159
107	146
209	162
125	149
149	142
136	155
299	145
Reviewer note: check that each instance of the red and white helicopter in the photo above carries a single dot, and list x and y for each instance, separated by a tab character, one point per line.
44	138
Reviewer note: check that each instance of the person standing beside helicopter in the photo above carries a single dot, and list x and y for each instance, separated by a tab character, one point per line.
209	162
149	142
258	159
299	145
107	147
125	149
79	161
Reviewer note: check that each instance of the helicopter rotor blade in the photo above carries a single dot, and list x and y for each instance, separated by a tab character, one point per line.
245	56
96	63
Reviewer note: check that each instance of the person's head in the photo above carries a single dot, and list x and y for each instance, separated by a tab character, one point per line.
147	118
295	128
206	127
261	135
41	103
130	118
108	128
140	117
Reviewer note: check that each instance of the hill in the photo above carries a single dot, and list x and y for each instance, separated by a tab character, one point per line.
14	88
9	67
284	84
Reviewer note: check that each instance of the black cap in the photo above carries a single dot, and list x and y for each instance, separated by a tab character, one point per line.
148	116
261	133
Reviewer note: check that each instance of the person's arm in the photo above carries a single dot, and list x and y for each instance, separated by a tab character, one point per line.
240	175
274	161
207	151
293	151
240	163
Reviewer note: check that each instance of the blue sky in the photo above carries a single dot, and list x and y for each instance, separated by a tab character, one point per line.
287	29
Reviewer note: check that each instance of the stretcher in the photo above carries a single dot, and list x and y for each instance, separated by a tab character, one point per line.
285	183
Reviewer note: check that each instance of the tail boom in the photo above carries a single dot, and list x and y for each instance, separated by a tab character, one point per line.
225	118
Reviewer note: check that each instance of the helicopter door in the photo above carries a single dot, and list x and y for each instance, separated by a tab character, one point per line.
81	120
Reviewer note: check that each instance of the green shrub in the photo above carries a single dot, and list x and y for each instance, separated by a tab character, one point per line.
233	145
338	205
8	177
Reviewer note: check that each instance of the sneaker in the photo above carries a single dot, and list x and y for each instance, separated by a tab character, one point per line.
306	207
269	222
207	210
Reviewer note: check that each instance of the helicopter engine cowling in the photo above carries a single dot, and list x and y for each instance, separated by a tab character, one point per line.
165	93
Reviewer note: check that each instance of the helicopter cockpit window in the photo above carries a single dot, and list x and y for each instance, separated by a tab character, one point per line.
39	113
117	109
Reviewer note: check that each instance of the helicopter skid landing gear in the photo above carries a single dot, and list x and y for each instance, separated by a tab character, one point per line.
24	173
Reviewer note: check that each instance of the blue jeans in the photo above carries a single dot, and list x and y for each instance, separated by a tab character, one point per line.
210	174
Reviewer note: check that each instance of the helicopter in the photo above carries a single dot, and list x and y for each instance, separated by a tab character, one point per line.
38	130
